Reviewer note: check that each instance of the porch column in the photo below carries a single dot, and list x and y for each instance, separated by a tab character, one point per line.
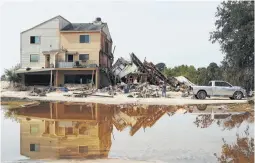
56	78
97	78
50	78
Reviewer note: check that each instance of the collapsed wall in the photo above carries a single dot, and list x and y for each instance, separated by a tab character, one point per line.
134	70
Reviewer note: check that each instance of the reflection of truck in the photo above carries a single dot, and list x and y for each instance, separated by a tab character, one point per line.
219	89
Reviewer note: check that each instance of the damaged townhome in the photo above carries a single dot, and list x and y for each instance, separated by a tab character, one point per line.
58	52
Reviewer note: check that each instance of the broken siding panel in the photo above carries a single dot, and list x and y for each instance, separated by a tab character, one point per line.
49	40
107	32
127	70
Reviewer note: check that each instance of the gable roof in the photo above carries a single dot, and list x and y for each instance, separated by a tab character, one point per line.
56	17
83	27
79	26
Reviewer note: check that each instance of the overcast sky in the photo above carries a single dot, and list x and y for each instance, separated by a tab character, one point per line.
171	32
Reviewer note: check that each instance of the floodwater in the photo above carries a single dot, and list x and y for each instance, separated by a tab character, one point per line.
78	131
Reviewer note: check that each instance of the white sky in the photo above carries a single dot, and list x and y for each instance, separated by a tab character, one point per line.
171	32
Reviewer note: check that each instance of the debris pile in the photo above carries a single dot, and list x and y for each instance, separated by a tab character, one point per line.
144	79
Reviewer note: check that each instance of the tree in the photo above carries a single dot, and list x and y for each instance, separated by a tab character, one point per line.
3	78
213	72
202	78
235	34
161	66
11	74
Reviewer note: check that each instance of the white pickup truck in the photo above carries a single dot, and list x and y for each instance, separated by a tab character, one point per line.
219	89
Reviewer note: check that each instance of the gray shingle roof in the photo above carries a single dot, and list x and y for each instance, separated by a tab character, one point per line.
83	27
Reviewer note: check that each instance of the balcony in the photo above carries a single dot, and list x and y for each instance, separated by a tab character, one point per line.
77	64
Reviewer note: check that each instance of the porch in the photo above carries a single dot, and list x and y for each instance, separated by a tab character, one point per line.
60	76
68	59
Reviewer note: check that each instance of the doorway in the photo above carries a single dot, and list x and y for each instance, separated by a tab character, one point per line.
69	58
47	61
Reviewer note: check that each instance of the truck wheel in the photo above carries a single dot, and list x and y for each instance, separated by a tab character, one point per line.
238	95
201	95
202	107
231	98
195	96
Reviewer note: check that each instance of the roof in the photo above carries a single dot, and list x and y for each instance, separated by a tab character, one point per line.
96	26
83	27
56	17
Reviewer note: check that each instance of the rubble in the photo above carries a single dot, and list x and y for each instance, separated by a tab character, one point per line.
144	79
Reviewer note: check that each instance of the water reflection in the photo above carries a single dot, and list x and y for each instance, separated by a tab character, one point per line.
240	151
85	130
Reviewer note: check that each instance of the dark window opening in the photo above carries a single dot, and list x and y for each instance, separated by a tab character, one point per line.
34	147
84	57
69	58
34	39
84	39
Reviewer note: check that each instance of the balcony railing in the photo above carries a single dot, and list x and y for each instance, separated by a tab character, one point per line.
77	64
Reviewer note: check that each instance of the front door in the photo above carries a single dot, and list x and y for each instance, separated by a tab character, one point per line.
69	58
47	61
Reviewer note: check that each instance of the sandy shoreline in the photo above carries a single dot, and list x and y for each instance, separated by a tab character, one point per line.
119	99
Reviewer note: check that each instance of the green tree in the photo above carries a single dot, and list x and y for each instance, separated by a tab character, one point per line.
202	78
213	72
11	74
235	34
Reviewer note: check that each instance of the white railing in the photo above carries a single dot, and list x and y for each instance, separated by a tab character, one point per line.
65	65
75	64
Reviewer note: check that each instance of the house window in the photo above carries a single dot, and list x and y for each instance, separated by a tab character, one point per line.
34	128
84	38
34	40
34	57
34	147
83	149
83	57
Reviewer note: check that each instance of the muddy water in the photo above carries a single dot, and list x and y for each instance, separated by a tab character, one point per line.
77	131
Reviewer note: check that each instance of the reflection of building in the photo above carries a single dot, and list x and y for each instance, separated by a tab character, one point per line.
140	117
78	130
59	130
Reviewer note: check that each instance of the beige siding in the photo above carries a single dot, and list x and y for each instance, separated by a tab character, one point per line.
71	42
49	40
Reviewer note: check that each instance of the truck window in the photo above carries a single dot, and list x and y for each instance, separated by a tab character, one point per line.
222	84
218	84
210	84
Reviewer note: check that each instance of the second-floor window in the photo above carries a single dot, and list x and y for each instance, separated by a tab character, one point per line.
84	39
84	57
34	40
34	57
